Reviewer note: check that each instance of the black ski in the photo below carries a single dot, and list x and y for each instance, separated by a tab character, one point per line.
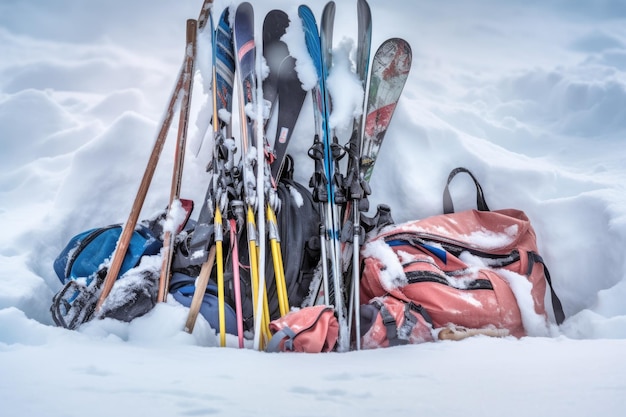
281	88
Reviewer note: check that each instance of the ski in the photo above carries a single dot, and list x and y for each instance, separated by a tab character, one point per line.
275	52
221	190
281	88
389	71
338	199
223	161
252	148
356	188
364	42
323	180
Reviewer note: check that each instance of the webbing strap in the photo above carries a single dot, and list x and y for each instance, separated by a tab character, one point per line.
422	312
557	307
390	326
397	335
409	323
279	336
448	207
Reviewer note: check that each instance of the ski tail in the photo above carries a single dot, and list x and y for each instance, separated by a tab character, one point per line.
364	41
224	62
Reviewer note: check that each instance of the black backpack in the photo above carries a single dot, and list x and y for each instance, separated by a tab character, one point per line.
298	224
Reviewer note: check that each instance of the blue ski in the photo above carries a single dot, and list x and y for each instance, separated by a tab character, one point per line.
323	180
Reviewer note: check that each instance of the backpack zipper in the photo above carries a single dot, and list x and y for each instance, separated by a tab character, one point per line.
455	247
415	277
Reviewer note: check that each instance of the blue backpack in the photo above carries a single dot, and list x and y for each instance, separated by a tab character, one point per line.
85	254
81	268
182	288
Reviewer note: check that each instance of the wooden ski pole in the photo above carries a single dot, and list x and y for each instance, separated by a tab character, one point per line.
201	283
140	197
192	30
179	158
131	222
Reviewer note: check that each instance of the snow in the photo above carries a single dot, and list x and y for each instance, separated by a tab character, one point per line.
345	88
305	67
392	276
530	96
176	215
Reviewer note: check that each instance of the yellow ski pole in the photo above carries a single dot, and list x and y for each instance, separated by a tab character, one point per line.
253	249
219	238
277	258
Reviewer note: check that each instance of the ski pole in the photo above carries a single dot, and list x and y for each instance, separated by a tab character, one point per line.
200	289
179	158
279	272
129	227
219	238
236	278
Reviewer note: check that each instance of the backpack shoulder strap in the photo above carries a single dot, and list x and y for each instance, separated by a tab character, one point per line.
557	307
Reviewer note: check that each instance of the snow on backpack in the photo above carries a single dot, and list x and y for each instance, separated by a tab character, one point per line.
478	269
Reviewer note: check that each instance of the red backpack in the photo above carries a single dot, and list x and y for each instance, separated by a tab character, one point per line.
392	322
476	269
311	329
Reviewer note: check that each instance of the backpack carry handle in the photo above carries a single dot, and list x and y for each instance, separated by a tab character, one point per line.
448	207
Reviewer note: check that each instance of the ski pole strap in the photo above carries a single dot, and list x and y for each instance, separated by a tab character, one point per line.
318	181
274	343
194	250
448	207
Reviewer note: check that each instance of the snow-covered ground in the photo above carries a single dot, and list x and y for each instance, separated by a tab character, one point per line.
531	96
